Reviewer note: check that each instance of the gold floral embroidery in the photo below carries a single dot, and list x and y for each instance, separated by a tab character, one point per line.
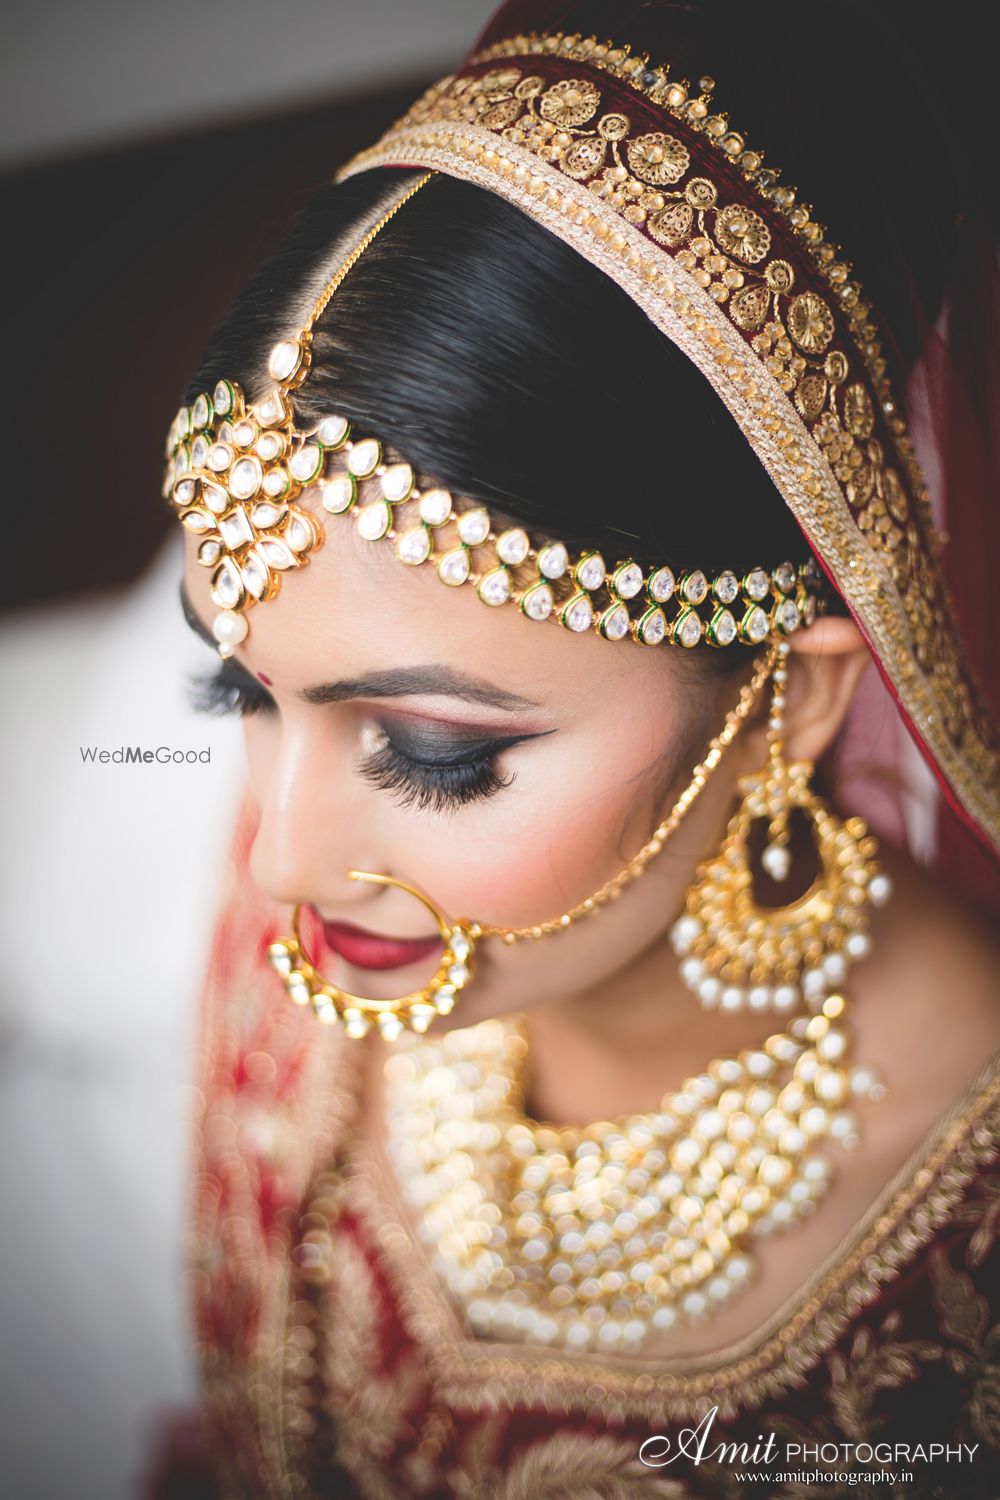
717	242
876	1361
984	1212
571	1465
974	1350
371	1410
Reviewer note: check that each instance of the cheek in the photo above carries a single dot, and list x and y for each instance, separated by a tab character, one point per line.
261	737
552	838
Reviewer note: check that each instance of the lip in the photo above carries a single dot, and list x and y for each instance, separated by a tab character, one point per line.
369	950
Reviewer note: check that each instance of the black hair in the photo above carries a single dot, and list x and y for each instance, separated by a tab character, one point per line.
510	369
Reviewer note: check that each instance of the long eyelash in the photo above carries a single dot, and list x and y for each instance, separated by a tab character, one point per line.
436	787
228	690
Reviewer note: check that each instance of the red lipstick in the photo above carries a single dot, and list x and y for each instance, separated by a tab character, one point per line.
368	950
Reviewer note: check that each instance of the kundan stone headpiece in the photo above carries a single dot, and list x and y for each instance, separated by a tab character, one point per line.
236	470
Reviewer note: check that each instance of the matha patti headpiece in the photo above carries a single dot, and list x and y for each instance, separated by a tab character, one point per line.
237	470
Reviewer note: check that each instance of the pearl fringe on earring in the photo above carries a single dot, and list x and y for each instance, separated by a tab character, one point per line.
737	955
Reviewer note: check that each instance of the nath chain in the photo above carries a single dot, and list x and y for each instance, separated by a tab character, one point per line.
613	887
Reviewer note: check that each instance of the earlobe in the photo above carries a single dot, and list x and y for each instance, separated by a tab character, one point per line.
825	665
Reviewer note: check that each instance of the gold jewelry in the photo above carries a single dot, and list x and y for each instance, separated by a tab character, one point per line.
331	1003
594	1235
736	954
236	471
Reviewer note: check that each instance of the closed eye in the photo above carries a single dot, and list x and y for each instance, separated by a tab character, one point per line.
230	689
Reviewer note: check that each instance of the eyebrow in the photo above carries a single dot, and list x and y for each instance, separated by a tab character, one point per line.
398	682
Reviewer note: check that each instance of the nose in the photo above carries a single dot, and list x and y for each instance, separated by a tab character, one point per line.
308	837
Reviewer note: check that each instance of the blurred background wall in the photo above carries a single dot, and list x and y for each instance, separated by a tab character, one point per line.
151	155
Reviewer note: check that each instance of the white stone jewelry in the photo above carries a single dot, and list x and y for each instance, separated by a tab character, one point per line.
592	1236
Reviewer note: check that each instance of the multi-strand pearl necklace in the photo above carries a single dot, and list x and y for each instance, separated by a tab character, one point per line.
592	1236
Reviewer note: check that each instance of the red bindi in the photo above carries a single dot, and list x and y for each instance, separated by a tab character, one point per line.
265	679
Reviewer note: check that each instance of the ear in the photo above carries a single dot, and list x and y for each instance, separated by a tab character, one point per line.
825	664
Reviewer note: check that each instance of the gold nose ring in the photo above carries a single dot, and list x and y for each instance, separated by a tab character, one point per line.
331	1003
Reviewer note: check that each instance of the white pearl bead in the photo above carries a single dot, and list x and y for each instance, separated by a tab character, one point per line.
792	1098
731	998
759	1101
773	1171
695	1305
834	967
862	1080
692	972
879	889
709	1125
843	1126
229	628
814	984
786	997
832	1046
830	1086
684	932
858	945
761	997
709	991
805	1068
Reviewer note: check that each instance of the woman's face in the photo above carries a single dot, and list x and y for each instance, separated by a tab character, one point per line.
504	767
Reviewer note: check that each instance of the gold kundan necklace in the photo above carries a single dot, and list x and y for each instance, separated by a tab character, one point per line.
591	1236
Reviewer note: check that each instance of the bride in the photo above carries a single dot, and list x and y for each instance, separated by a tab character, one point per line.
587	1059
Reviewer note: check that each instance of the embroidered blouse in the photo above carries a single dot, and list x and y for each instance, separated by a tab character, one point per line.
335	1365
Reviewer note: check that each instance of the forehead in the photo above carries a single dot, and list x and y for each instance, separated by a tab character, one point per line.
354	607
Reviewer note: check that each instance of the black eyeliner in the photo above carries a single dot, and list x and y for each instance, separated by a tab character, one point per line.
446	747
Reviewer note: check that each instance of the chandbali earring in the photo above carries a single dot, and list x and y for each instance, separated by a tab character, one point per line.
736	954
331	1003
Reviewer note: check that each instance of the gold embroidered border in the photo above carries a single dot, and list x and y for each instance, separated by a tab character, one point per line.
688	315
488	1374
